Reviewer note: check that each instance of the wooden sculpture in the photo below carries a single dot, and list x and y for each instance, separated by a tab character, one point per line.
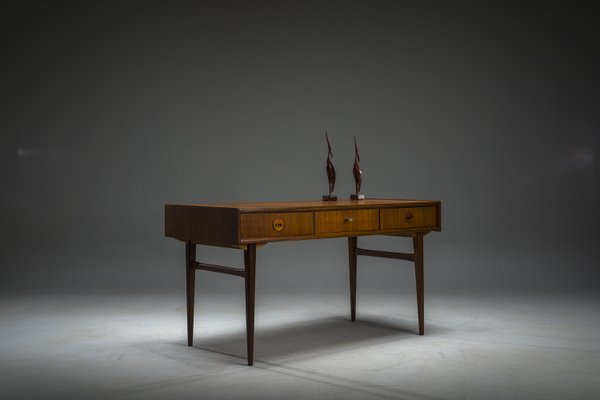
357	172
330	172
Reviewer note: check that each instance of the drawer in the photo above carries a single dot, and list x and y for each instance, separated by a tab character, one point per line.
276	224
410	217
346	221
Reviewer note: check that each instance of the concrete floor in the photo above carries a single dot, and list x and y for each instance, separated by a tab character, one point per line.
478	345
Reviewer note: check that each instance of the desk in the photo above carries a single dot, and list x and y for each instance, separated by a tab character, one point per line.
247	226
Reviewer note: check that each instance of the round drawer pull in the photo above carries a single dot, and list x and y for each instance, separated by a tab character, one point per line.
348	219
278	224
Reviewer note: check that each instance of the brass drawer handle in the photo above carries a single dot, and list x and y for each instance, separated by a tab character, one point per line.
409	217
278	224
348	219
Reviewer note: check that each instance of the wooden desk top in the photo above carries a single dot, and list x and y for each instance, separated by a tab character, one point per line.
238	224
279	206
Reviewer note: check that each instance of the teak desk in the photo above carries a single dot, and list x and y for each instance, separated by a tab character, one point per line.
246	225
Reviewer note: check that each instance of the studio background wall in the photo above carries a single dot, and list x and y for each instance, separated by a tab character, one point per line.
111	109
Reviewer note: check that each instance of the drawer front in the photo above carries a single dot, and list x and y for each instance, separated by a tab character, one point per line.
346	221
411	217
276	224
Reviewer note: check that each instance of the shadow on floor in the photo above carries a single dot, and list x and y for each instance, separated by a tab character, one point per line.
281	348
305	339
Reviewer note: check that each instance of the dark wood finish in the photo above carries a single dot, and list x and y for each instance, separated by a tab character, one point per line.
190	286
356	171
420	279
330	172
215	226
249	225
352	243
385	254
408	217
347	221
221	224
219	268
250	269
314	205
417	258
262	225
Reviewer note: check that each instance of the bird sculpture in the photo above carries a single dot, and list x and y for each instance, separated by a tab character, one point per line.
357	174
330	172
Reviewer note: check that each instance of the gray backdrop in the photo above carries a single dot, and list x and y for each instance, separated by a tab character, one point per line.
111	109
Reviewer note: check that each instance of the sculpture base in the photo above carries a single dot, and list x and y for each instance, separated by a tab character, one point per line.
329	197
358	196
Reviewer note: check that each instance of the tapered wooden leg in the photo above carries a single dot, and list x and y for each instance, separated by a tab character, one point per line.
419	275
250	269
352	243
190	285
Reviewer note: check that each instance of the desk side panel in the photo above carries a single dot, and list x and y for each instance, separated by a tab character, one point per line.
202	225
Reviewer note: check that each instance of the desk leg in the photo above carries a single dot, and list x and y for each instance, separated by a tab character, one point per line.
190	285
419	277
250	272
352	243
